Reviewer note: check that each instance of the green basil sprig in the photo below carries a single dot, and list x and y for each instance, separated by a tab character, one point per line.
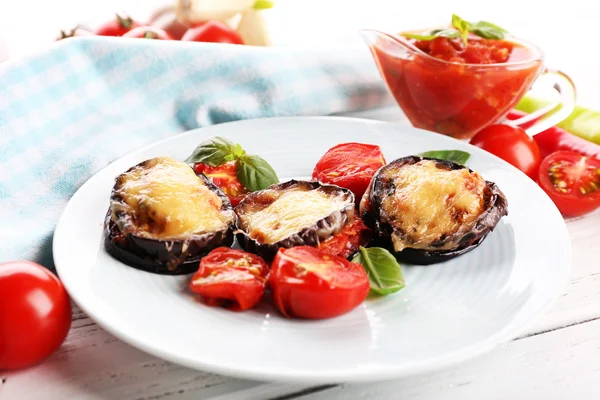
384	272
457	156
252	171
461	28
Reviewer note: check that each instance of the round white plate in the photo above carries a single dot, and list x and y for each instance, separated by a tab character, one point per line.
448	313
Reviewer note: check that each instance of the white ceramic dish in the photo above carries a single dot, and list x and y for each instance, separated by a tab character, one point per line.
447	313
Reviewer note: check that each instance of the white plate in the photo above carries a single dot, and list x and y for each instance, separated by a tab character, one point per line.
447	313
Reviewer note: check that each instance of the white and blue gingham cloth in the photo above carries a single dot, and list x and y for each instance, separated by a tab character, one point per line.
67	112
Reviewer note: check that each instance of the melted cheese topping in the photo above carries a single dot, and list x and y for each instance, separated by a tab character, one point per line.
428	204
290	212
166	200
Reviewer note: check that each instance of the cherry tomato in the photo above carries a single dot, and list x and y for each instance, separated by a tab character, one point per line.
212	31
148	32
35	314
224	176
349	165
307	283
231	278
118	26
513	145
348	241
73	33
572	182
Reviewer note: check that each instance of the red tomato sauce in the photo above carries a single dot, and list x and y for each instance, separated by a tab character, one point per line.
457	92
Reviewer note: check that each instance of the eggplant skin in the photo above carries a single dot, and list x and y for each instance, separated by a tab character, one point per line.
496	207
165	257
320	231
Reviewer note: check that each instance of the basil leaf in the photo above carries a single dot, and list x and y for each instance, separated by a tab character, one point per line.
384	272
488	33
214	152
448	33
489	25
457	156
255	173
464	27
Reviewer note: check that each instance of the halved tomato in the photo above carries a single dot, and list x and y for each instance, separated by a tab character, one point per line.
231	278
348	241
307	283
225	177
349	165
572	181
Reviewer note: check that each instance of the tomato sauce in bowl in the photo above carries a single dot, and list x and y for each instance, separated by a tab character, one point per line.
445	86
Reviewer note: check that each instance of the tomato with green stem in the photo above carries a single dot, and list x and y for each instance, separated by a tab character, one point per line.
572	181
148	32
118	26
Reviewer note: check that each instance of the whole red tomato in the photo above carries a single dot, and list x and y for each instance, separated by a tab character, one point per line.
225	177
118	26
230	277
148	32
35	314
349	165
308	283
513	145
572	181
212	31
77	31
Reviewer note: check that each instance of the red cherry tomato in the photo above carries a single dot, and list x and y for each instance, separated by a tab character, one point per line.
73	33
513	145
307	283
225	177
118	26
572	182
35	314
148	32
230	277
349	165
348	241
212	31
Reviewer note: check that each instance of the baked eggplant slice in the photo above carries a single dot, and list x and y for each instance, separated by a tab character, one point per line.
427	210
292	213
163	217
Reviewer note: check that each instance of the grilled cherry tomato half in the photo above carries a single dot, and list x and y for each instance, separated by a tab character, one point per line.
231	278
349	165
148	32
35	314
348	241
308	283
225	177
513	145
118	26
212	31
572	182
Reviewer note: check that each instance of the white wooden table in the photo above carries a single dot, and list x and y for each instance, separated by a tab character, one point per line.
558	356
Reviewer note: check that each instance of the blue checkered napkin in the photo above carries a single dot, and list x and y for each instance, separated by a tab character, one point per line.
67	112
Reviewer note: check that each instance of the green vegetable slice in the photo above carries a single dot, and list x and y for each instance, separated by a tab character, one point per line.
384	272
582	122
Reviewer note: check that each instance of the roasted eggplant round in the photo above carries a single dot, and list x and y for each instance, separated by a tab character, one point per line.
163	217
427	210
293	213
